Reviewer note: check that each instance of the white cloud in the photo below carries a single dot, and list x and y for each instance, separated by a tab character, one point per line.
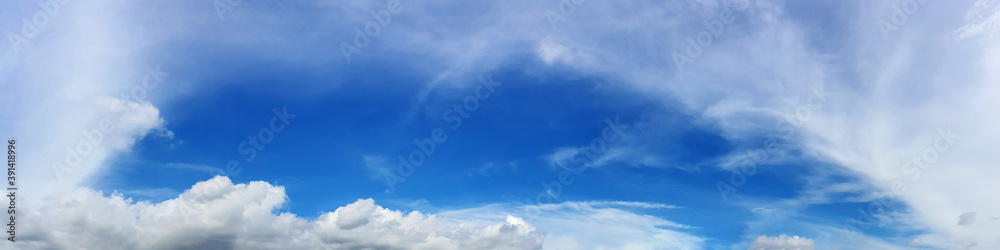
217	214
782	242
82	68
562	157
551	52
594	225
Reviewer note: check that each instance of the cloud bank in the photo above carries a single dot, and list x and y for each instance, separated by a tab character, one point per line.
217	214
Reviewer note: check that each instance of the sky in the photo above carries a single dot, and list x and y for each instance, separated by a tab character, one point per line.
572	124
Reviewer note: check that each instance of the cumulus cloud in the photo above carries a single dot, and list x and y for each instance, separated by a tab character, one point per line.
218	214
782	242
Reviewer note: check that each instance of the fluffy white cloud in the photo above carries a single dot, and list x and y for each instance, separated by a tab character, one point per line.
217	214
782	242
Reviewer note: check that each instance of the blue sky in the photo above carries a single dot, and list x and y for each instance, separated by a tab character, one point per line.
732	124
